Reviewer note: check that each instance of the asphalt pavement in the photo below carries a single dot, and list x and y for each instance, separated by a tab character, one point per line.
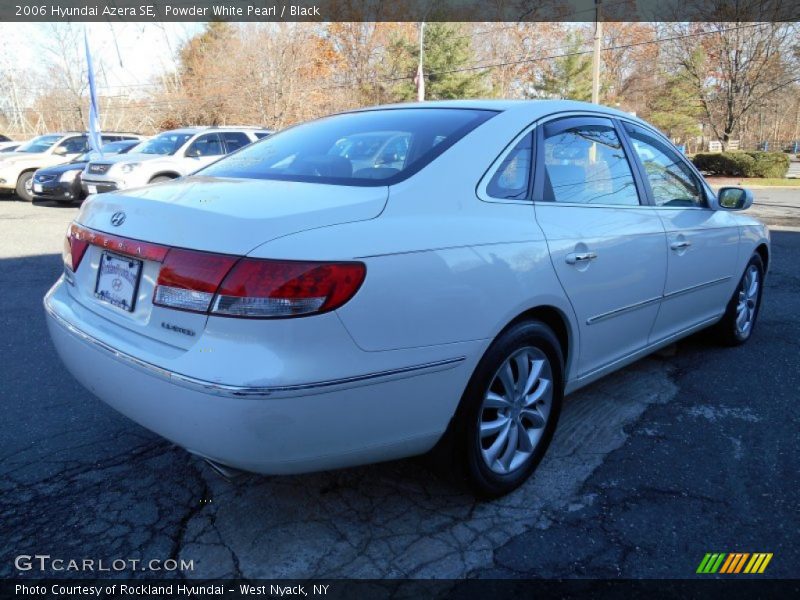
691	451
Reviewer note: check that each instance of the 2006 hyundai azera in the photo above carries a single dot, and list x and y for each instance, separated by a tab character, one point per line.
390	281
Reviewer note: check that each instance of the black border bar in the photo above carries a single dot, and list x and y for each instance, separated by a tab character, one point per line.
730	587
398	10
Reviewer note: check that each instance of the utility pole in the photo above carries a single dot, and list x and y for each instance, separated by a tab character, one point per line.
420	78
598	39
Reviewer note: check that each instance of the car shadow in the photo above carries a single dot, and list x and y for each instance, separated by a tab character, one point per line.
53	204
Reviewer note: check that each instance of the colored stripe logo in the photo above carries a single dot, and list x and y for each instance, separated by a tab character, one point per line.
734	563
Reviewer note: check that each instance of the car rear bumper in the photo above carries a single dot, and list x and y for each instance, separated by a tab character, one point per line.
273	428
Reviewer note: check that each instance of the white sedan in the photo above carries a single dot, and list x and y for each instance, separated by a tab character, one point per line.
283	311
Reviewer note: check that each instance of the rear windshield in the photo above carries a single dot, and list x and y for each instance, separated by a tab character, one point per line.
379	147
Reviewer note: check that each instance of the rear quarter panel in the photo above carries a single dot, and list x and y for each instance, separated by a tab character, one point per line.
437	279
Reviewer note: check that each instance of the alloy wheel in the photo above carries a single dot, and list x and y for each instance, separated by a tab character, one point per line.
515	410
747	301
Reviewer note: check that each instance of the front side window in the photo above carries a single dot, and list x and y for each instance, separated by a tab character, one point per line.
512	177
74	145
671	179
586	164
374	147
206	145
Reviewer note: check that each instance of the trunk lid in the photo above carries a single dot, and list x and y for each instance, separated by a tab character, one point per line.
226	216
229	216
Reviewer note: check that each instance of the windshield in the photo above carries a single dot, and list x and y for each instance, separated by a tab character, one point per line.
165	143
377	147
39	144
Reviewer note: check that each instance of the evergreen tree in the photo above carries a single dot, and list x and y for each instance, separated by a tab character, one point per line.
569	76
675	108
447	50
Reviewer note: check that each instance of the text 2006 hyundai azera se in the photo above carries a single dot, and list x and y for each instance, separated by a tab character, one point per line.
384	282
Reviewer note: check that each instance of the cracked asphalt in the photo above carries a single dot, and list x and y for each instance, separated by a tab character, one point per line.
691	451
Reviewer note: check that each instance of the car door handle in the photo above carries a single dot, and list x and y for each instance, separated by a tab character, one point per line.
580	257
681	244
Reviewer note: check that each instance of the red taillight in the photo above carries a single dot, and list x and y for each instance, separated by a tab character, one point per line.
188	279
277	288
228	285
79	238
74	249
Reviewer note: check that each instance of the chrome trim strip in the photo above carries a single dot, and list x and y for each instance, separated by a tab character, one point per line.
222	389
618	311
692	288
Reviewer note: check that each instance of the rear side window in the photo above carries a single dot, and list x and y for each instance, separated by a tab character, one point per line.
512	178
235	140
377	147
585	163
672	181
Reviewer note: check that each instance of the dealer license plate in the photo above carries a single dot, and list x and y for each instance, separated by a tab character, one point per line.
92	189
37	188
118	280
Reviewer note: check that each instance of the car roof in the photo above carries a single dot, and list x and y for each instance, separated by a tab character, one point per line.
64	133
204	128
530	109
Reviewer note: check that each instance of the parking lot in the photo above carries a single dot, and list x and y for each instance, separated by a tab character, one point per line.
691	451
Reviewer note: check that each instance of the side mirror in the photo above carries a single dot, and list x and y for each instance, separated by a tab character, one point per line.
193	152
735	198
60	151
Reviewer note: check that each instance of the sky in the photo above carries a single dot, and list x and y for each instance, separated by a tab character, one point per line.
144	49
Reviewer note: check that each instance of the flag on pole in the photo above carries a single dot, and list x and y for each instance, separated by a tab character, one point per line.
94	114
419	81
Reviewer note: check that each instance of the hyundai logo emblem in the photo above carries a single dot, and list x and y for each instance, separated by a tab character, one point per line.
118	218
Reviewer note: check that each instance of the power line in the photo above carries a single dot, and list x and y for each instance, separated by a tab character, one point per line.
555	56
477	67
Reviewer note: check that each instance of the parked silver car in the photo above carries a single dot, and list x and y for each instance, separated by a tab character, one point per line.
166	156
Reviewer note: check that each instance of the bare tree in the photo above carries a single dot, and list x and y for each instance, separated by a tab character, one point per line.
734	66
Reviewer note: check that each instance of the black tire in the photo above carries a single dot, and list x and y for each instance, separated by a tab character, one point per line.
462	446
23	185
728	331
161	179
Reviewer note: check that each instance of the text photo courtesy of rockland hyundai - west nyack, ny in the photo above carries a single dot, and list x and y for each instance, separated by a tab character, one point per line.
370	299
